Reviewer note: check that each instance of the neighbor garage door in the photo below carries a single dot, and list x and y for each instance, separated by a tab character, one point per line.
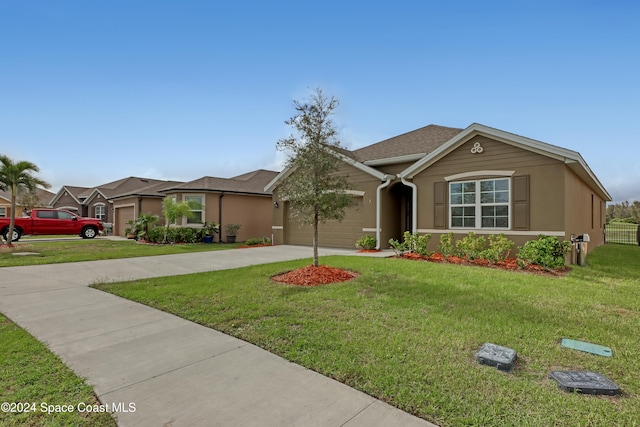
122	215
332	234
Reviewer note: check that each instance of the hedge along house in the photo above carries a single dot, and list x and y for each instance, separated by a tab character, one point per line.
238	200
439	180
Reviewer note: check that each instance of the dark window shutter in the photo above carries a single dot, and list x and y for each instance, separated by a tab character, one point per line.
440	205
521	206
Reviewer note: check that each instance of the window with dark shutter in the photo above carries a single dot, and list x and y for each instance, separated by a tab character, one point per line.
440	205
521	202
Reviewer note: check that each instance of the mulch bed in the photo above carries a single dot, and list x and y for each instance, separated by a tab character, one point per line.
314	276
510	264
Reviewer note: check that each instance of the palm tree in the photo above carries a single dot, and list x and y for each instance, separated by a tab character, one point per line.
13	177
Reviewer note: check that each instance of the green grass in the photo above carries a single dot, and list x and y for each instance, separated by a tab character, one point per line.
406	332
53	252
29	372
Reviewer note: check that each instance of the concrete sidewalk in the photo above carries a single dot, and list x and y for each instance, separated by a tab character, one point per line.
173	372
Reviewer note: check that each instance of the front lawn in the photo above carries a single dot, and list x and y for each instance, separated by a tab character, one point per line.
406	332
53	252
31	374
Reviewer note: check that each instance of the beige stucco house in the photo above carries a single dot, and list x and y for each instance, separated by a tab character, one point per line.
40	200
97	201
439	179
238	200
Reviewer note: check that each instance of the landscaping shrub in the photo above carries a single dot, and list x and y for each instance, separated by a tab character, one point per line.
499	248
472	247
546	251
174	235
447	247
258	241
366	242
411	243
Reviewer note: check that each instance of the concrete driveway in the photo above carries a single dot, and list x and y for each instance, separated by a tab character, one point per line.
156	369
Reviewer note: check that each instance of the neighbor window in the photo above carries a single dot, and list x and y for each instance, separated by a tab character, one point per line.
197	216
479	204
100	213
3	212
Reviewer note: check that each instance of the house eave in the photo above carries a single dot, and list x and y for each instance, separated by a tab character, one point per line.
394	160
567	156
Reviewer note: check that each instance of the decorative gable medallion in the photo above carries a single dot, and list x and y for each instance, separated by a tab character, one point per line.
477	148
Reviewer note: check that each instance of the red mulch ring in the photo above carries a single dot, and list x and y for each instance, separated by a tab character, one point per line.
314	276
510	264
369	250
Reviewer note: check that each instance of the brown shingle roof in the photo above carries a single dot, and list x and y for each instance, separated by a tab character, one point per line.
419	141
251	182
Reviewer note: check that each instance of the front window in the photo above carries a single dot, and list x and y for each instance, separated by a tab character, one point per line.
479	204
100	213
196	203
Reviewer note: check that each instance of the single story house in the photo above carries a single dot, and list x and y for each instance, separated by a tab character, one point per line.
24	201
238	200
128	205
439	179
96	201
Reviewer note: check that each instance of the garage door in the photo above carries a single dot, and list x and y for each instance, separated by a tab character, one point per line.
332	234
122	215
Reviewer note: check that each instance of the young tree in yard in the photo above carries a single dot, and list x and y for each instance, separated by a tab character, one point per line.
313	189
15	176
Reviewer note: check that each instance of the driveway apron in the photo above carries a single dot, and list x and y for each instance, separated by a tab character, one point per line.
156	369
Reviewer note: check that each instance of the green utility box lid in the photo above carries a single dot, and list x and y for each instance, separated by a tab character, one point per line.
600	350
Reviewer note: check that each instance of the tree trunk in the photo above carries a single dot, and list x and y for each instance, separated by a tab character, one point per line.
12	216
315	239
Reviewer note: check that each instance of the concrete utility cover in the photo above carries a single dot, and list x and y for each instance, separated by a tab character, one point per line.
502	358
25	253
600	350
585	382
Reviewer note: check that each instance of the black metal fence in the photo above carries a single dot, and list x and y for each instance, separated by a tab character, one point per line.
622	233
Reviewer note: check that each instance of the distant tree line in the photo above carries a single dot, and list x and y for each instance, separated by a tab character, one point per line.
624	212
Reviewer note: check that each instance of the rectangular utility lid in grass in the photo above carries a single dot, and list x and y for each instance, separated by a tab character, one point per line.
585	382
501	357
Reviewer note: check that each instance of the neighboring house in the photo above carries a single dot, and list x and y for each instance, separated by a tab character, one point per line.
238	200
129	205
95	201
438	180
38	200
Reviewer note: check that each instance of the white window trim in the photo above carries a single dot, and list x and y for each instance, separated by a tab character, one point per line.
202	209
104	210
478	205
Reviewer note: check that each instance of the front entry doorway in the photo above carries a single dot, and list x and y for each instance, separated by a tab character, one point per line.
403	206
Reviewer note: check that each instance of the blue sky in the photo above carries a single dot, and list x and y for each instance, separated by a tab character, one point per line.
95	91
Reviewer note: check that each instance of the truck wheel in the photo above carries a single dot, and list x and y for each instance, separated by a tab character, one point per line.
16	235
89	233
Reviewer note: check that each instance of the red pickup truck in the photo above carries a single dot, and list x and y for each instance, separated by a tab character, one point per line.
51	221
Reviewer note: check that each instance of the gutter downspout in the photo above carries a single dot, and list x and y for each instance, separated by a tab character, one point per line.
387	181
220	216
414	204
